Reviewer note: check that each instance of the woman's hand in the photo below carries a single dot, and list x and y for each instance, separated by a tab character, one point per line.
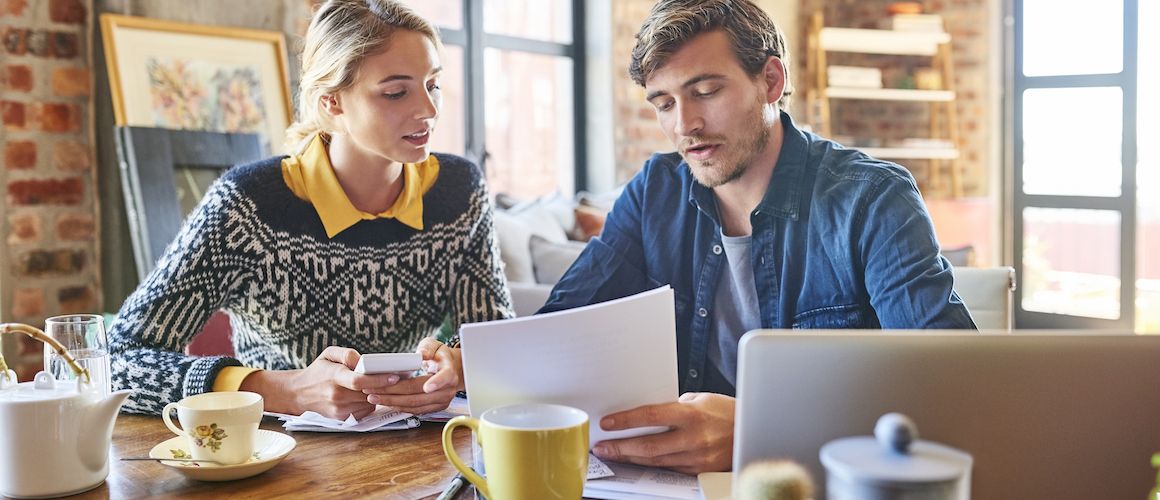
328	386
432	392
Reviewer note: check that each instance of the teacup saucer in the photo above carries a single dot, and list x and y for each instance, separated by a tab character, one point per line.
271	448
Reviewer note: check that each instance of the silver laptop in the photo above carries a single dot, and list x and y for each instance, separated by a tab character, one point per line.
1044	416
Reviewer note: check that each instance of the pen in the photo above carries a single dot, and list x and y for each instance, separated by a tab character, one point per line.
452	488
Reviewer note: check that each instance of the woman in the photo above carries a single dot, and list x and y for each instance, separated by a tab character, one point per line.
360	241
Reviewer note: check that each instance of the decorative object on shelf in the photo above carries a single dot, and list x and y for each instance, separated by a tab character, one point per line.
928	79
905	82
897	8
193	77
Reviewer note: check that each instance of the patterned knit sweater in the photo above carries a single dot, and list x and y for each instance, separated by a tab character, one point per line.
255	250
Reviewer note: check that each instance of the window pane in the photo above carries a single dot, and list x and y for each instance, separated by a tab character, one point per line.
442	13
529	122
1071	262
449	136
1072	140
1148	173
549	20
1073	37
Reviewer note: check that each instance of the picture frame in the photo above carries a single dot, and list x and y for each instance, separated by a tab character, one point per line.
182	76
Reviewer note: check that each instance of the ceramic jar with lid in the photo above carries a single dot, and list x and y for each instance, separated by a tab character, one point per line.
895	465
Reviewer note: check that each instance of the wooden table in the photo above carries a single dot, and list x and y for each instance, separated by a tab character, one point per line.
392	464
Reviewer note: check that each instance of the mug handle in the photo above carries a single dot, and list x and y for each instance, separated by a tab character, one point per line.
165	415
449	450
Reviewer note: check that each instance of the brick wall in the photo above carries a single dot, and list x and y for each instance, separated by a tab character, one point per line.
48	230
637	135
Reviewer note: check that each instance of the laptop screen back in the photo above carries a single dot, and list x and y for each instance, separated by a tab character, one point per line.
1044	416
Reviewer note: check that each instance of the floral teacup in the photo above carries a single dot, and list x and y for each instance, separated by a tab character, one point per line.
218	426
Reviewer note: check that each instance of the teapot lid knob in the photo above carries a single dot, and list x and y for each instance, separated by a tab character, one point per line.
895	432
44	381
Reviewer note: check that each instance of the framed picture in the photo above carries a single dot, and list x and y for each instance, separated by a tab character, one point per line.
193	77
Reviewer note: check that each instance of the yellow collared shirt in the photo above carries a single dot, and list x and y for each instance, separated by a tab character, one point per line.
311	177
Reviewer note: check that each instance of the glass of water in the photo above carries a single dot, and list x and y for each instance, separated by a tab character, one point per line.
84	337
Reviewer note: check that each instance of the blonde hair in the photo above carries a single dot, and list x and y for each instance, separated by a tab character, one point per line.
341	35
672	23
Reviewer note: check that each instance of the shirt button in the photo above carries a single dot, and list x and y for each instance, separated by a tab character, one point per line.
693	372
717	249
702	312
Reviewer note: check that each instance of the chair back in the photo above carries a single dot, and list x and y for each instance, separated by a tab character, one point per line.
988	293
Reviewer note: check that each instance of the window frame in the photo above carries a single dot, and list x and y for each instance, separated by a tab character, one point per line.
474	40
1125	204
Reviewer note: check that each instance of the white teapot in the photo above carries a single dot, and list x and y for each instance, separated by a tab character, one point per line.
56	434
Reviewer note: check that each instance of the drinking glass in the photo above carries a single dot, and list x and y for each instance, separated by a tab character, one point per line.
84	337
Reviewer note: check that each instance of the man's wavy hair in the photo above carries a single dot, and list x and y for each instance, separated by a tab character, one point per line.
672	23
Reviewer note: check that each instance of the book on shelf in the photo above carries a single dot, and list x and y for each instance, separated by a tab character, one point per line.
854	76
926	23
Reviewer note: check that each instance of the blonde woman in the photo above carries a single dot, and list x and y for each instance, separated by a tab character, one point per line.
359	241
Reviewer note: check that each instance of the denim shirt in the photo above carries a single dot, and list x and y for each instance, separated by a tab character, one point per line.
840	240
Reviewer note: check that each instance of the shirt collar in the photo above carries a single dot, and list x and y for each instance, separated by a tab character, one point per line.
311	177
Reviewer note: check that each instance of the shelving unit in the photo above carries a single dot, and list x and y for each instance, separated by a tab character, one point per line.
943	114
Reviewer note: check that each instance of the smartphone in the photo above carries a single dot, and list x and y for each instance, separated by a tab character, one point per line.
389	362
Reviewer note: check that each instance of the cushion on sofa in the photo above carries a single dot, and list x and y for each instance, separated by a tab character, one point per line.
551	259
515	230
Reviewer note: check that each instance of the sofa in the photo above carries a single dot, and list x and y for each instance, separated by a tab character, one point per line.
539	239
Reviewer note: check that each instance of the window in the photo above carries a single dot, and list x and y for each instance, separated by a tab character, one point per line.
513	98
1086	199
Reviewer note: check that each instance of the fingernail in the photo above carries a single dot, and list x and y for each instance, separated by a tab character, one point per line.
600	450
393	379
607	422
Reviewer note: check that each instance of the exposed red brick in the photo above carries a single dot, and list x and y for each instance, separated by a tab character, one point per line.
60	117
71	155
20	154
14	8
71	82
16	77
16	41
69	191
75	227
64	45
37	42
66	11
38	263
25	228
28	303
77	299
12	115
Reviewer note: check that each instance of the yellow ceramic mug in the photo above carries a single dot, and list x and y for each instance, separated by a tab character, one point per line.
531	451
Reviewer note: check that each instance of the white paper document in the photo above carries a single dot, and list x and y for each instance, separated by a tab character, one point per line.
384	418
633	482
601	358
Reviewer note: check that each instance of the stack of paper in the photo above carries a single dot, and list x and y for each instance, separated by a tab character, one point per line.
384	418
642	483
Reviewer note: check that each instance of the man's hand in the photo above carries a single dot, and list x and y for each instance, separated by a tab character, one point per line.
700	438
328	386
430	392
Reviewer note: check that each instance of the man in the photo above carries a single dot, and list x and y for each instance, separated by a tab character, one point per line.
753	222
